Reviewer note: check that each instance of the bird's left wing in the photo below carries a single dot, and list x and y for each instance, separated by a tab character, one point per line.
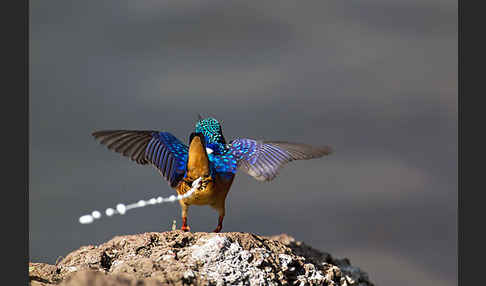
160	149
263	159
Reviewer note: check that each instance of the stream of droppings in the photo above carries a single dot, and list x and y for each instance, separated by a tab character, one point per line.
122	208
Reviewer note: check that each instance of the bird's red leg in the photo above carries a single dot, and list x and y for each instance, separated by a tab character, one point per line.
220	224
184	226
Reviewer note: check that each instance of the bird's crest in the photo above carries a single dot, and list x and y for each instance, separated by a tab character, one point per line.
211	129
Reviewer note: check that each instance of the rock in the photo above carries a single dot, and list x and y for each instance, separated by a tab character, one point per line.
184	258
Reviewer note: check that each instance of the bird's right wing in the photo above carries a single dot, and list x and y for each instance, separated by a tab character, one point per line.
160	149
263	159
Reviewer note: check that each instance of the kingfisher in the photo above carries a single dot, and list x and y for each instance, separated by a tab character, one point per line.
208	157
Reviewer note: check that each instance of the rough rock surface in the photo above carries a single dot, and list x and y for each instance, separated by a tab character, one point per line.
184	258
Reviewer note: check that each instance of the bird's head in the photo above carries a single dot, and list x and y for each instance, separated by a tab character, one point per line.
211	129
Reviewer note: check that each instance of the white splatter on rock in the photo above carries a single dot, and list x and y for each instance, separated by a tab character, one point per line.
226	263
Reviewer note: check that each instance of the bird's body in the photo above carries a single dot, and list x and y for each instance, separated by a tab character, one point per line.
209	157
213	188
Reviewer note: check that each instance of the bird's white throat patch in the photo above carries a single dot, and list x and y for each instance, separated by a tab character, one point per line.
209	150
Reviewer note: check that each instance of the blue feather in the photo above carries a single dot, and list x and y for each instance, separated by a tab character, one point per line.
263	159
177	149
169	155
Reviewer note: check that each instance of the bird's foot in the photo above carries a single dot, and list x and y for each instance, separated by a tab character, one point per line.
184	226
220	224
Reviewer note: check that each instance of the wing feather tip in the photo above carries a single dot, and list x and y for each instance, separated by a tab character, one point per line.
327	150
96	134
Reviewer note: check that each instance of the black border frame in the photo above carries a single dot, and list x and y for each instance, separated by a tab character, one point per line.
469	240
15	159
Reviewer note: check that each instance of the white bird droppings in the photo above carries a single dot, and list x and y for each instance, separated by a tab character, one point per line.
86	219
122	208
110	211
96	214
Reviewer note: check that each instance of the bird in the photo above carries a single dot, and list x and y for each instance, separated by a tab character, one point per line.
207	157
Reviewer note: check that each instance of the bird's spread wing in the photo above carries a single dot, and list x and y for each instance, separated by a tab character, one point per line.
263	159
160	149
